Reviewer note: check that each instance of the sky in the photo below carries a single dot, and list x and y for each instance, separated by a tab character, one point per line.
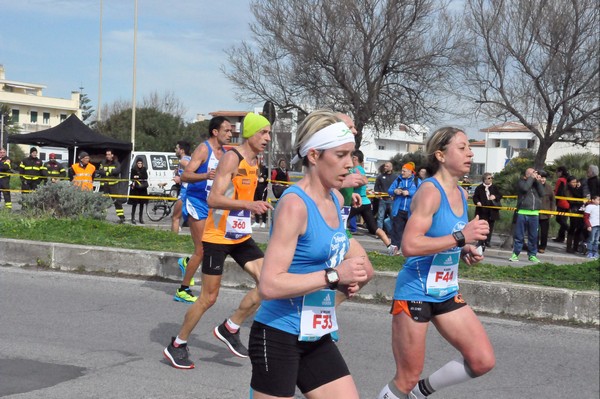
180	49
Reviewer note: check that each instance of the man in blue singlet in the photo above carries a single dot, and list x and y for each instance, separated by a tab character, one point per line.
182	150
199	174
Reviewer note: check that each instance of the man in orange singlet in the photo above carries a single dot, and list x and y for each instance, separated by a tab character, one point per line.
228	232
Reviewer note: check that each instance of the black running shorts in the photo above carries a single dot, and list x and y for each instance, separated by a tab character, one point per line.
280	362
215	254
422	312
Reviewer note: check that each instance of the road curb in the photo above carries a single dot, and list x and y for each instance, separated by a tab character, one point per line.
496	298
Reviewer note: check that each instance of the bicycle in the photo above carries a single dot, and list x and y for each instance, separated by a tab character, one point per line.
161	207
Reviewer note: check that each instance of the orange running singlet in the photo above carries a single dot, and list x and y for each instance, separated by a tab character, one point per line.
242	187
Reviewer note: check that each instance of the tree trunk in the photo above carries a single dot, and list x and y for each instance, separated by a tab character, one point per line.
542	153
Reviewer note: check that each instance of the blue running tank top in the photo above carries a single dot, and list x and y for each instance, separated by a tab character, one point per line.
184	185
201	189
318	248
411	284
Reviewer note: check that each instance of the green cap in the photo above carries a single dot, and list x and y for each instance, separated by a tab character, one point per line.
253	123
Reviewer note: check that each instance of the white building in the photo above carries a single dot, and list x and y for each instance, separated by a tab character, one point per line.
31	111
504	142
381	148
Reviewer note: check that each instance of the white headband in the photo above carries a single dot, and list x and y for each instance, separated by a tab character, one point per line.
326	138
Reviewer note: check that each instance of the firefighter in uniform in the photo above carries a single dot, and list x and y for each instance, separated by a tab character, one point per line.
54	169
32	171
110	171
5	170
82	172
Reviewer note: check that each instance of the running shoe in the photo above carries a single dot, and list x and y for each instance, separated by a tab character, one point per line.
392	250
255	225
514	258
178	356
534	259
184	296
232	340
262	225
183	262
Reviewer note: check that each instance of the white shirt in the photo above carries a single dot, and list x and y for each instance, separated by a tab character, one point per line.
594	211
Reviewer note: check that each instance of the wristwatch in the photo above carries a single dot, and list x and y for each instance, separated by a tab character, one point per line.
460	238
332	277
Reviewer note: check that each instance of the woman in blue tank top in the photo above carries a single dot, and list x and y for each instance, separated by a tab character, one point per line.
309	261
437	235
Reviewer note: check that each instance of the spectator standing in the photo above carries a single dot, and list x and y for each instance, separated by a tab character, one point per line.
261	193
487	194
382	185
182	151
54	169
365	210
422	174
32	171
5	170
529	194
402	191
82	173
592	187
548	204
562	205
279	174
591	217
575	233
110	172
139	188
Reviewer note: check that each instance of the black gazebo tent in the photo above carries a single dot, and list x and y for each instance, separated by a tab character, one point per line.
76	136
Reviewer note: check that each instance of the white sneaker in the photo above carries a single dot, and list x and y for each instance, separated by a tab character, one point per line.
262	225
392	250
255	225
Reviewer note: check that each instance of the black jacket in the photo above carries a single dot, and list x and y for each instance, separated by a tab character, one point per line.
479	196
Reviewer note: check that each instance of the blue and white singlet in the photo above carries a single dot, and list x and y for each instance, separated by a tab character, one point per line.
434	278
318	248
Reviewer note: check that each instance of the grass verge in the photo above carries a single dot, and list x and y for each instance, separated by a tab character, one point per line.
581	276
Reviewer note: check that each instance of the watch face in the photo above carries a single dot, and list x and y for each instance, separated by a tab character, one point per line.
332	276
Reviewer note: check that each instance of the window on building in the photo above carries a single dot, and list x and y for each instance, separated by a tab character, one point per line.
46	118
63	117
15	116
33	116
478	169
381	147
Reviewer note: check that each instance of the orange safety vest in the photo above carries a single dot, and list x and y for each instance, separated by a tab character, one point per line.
83	176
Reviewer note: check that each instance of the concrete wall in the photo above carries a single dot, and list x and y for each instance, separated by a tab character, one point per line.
497	298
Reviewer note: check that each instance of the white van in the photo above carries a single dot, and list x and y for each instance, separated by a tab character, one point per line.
161	169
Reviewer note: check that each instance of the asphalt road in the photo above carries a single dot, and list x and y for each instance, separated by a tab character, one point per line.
78	336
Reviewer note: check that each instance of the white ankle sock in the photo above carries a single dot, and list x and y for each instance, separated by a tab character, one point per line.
179	341
390	391
232	326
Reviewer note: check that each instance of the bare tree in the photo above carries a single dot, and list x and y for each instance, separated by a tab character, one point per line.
536	61
381	60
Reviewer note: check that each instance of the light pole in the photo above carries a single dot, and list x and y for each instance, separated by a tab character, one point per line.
99	113
134	77
1	128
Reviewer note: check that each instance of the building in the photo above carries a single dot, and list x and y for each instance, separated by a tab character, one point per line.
31	111
505	141
379	148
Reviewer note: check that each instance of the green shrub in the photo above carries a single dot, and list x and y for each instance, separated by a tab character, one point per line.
64	200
